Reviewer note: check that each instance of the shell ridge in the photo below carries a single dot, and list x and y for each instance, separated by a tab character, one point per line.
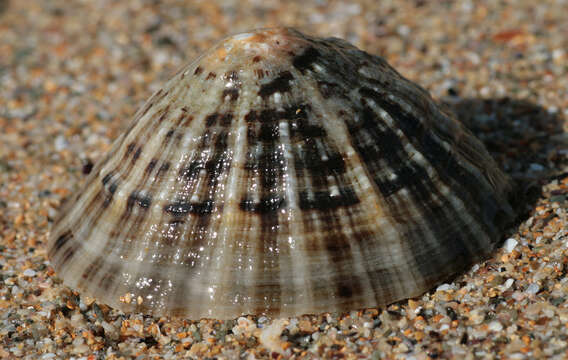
305	182
149	131
466	242
432	150
111	245
392	288
360	284
229	222
301	287
399	146
336	248
74	220
144	274
412	171
211	177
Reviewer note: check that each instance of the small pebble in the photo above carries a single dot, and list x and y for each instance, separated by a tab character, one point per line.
476	316
271	339
29	272
508	284
532	289
510	245
61	143
262	321
495	326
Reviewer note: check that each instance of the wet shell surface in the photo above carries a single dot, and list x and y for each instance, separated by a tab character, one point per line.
281	174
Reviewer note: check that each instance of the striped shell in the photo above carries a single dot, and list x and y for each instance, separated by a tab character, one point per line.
281	174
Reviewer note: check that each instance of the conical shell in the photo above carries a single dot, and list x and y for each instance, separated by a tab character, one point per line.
281	174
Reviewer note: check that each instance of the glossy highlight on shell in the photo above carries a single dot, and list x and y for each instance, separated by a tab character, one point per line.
281	174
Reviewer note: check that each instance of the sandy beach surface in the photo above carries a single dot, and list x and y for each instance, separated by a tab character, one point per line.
72	74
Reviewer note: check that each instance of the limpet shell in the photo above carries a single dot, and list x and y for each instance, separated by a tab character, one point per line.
281	174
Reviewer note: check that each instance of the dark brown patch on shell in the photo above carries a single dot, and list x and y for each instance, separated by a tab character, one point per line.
279	84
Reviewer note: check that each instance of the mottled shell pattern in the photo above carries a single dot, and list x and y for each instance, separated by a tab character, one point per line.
281	174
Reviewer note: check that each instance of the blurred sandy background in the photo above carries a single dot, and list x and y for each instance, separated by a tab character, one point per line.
72	73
